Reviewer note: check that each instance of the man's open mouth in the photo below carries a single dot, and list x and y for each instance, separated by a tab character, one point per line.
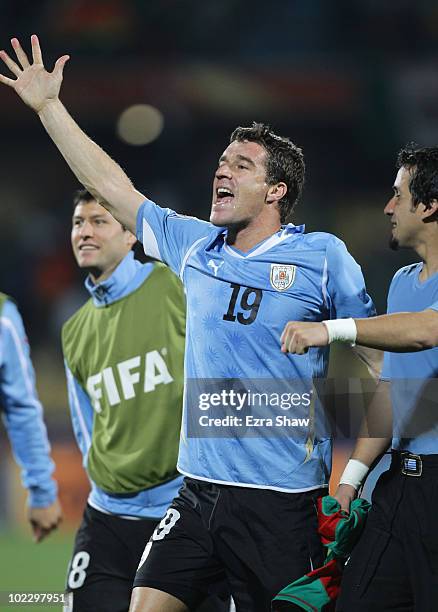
223	195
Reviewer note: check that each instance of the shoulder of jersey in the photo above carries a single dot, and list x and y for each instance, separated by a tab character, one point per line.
317	240
176	215
70	326
406	270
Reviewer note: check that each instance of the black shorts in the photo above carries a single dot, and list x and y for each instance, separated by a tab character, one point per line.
258	540
105	558
394	566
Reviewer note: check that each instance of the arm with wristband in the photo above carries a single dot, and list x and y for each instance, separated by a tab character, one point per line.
398	332
374	439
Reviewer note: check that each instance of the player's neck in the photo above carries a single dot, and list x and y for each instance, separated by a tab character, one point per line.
99	276
428	251
245	238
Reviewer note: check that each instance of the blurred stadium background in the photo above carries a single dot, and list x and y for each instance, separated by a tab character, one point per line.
349	81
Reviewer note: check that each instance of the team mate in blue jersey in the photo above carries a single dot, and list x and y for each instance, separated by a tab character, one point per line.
395	564
23	417
247	508
231	297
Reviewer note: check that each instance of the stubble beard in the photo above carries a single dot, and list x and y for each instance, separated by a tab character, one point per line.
394	244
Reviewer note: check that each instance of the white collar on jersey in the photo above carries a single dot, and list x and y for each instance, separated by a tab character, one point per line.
285	232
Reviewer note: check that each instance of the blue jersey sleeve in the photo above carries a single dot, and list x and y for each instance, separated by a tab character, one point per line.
22	410
346	292
391	308
82	414
386	366
168	236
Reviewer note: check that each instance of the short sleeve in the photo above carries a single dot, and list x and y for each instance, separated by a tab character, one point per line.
168	236
386	367
346	289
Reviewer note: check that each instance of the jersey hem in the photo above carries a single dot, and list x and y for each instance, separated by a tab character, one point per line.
129	517
251	485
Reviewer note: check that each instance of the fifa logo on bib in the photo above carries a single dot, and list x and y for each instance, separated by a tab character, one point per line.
282	276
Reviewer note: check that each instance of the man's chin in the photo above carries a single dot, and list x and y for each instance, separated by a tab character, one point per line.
394	244
86	263
218	219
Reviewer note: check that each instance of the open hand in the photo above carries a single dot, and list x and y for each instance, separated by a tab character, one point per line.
298	337
35	86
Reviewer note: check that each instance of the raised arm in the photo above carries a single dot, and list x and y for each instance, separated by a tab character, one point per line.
398	332
101	175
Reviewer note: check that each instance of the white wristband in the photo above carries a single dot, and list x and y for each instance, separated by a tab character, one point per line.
354	473
343	330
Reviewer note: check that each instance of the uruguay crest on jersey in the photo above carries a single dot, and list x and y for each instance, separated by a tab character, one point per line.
282	276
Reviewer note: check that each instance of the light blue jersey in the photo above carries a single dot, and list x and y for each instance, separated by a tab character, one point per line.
412	375
22	411
237	306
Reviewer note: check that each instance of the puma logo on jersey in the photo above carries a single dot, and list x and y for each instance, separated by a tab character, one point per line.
155	372
215	267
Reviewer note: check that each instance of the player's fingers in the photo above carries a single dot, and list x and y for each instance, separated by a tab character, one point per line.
292	343
295	346
59	65
13	67
6	80
54	524
21	55
286	341
36	50
283	333
37	532
288	330
300	345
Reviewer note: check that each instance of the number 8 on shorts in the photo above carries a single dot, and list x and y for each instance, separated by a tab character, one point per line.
77	573
166	524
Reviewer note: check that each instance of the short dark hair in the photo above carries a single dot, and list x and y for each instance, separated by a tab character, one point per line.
82	195
422	162
285	163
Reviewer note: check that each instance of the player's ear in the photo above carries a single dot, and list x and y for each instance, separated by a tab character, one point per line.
430	212
130	238
276	193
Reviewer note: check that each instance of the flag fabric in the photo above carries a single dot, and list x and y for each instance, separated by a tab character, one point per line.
318	590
